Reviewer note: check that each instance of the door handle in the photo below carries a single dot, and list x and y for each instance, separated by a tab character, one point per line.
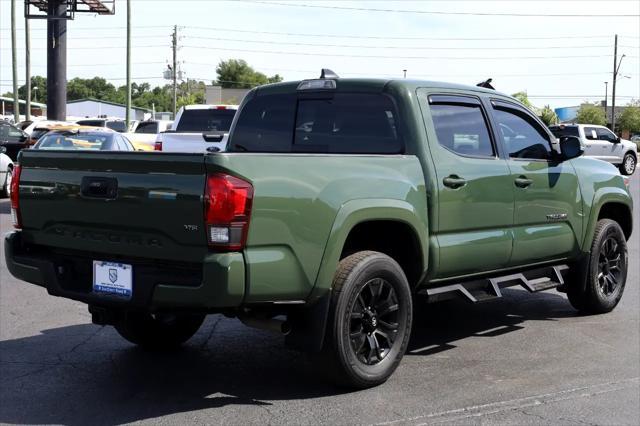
523	182
454	181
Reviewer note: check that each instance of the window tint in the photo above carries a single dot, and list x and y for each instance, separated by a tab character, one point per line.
265	125
73	141
606	135
150	127
118	126
559	131
591	133
202	120
462	129
93	123
522	136
347	123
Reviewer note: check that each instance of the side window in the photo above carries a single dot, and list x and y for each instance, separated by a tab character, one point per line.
148	128
606	135
461	128
523	137
591	133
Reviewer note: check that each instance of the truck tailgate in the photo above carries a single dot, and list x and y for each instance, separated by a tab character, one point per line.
125	204
193	142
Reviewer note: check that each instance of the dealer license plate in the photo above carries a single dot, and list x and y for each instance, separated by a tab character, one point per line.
112	278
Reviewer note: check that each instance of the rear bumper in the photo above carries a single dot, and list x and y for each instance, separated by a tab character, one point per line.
217	284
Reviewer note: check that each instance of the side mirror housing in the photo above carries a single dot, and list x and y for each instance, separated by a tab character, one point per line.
618	140
3	149
570	147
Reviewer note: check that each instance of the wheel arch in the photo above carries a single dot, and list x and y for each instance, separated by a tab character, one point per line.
616	206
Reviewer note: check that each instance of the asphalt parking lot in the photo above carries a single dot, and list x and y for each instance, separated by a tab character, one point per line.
525	359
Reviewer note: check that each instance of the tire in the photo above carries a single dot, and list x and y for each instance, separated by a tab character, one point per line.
160	331
6	188
604	271
628	165
371	308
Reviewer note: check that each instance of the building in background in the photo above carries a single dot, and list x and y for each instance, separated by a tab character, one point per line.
6	108
216	95
96	108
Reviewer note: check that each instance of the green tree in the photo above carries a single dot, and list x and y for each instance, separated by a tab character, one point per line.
630	119
37	95
591	114
523	98
549	116
236	73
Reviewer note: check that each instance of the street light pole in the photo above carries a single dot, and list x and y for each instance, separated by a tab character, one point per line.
613	93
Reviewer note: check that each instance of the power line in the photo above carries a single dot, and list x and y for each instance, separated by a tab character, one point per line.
397	38
432	12
395	47
277	52
97	47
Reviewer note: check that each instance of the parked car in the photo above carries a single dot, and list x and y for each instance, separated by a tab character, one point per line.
6	172
145	134
40	128
603	144
13	139
116	124
338	203
94	139
198	128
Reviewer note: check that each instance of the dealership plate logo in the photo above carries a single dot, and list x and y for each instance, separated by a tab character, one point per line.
113	275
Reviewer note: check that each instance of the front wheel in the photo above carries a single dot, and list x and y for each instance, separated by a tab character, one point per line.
369	320
605	271
628	165
158	331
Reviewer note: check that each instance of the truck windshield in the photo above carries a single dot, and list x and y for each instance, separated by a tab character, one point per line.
559	131
202	120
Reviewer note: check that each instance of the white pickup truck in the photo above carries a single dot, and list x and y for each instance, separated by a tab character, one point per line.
198	128
601	143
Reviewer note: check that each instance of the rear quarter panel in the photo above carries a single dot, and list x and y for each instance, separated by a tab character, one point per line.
295	222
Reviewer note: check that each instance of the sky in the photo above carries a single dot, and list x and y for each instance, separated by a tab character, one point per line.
542	47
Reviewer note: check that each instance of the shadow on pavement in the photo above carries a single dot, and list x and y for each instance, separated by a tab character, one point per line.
87	374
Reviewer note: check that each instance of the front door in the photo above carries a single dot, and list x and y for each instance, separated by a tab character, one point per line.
612	149
475	190
547	219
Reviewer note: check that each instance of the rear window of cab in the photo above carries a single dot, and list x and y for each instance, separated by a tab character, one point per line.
344	123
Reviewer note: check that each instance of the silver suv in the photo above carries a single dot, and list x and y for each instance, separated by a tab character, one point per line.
603	144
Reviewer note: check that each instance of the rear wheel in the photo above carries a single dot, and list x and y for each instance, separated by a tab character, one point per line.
628	165
158	331
605	271
369	320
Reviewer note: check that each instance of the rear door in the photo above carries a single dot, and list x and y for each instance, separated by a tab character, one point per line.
548	202
594	147
474	185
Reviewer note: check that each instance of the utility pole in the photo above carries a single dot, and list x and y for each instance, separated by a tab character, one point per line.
27	65
606	91
405	73
174	45
57	60
128	113
14	59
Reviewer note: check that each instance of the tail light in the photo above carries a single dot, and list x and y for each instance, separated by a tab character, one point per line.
227	201
157	146
15	198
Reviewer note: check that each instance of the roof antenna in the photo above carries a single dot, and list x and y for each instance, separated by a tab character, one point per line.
486	84
327	73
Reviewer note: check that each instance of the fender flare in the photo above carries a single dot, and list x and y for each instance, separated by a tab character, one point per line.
600	198
310	324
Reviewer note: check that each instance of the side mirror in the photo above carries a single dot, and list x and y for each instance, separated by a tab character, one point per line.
570	147
3	149
617	139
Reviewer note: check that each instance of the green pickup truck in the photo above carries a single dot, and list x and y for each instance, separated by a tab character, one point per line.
339	205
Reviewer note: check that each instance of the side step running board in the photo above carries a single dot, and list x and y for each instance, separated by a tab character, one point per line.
489	288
